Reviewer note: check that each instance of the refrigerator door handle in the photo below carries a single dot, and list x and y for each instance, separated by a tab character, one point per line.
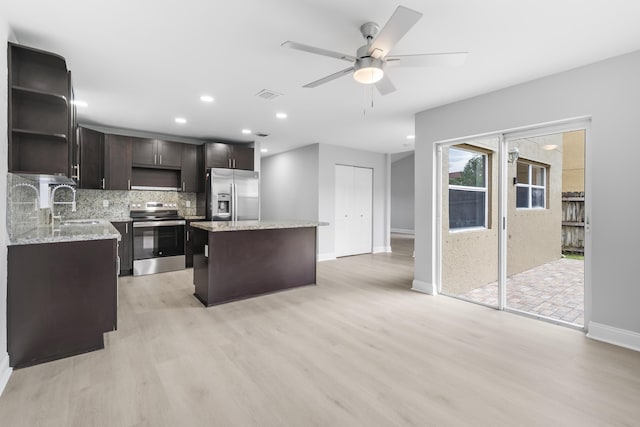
235	202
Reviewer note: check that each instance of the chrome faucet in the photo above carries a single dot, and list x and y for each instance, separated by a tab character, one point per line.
53	202
35	200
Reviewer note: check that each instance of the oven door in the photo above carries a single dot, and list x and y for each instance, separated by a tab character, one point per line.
158	246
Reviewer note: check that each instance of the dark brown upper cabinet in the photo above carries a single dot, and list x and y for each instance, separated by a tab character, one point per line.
231	156
90	169
191	175
117	162
157	153
39	113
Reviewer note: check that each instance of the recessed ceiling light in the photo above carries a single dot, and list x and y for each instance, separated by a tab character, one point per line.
411	137
206	98
246	131
181	120
549	147
79	103
263	150
281	115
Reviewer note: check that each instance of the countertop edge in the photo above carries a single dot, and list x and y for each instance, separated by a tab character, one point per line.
224	226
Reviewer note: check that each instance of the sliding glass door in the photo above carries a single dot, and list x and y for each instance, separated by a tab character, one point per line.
469	226
545	219
511	223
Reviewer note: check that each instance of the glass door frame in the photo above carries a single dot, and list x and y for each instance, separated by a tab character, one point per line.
579	123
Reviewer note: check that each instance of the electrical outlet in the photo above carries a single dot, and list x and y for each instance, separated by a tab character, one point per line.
105	203
188	203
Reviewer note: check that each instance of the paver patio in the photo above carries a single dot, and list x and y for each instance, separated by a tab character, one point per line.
554	290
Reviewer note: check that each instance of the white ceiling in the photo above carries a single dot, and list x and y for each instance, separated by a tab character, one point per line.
141	63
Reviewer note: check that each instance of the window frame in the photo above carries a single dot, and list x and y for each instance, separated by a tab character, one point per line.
530	186
485	189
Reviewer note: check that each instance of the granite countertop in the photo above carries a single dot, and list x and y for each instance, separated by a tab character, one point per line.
215	226
68	231
194	217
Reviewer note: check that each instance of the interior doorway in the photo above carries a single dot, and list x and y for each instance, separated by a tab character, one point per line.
511	229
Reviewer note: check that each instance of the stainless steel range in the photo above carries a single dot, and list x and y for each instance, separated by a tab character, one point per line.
158	238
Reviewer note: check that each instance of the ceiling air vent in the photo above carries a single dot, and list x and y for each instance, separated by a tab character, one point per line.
268	94
261	134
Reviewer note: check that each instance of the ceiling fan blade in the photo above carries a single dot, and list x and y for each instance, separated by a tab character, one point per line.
398	25
447	59
329	78
384	85
318	51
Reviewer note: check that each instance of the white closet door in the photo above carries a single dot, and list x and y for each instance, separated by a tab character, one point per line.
343	191
362	207
353	210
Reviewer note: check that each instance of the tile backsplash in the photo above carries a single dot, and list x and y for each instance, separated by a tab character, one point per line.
24	213
90	203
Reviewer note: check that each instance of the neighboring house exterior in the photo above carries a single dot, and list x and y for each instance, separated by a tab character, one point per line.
470	215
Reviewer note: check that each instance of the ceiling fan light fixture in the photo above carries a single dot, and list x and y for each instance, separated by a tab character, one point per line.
368	70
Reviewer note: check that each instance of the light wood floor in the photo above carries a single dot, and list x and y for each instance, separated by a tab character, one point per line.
358	349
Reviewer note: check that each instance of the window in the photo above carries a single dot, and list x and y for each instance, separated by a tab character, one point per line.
467	189
531	186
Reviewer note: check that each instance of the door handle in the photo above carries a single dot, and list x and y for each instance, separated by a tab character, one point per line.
155	159
126	228
160	162
103	183
129	184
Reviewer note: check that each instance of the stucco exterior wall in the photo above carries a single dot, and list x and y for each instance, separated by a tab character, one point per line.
573	161
535	235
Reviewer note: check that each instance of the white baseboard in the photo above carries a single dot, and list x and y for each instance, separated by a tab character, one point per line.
402	231
424	287
615	336
326	257
380	249
5	372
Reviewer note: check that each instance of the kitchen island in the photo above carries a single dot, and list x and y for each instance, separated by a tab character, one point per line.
242	259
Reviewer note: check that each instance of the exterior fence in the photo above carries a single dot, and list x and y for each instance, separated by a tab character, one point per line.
573	222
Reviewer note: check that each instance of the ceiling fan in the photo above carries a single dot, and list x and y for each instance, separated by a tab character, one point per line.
371	59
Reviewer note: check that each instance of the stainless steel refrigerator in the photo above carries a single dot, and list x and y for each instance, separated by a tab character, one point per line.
232	195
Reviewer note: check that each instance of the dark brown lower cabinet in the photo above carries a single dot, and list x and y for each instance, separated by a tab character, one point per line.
188	247
125	246
61	299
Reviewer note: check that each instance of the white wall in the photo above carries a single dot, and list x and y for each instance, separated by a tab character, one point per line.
289	185
330	156
5	371
609	92
403	194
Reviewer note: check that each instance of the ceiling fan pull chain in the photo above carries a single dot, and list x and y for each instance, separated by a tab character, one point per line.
371	96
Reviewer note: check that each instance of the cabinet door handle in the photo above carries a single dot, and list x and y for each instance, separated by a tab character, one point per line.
129	184
77	169
183	186
160	162
229	161
126	228
234	163
103	186
187	235
155	159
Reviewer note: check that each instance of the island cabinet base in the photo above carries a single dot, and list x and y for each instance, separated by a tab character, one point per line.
233	265
61	299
